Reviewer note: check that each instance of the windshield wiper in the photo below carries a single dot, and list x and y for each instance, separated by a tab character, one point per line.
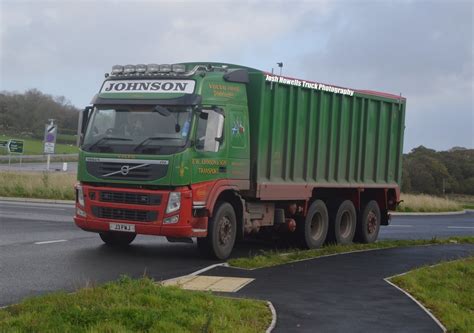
106	138
151	138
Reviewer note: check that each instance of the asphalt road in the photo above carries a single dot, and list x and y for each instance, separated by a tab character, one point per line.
346	293
427	227
41	250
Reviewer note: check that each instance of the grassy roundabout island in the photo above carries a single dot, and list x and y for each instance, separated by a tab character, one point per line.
447	290
129	305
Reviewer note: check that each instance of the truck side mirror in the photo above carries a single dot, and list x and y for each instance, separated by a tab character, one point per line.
83	120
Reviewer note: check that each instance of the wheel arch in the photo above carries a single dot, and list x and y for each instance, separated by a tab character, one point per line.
230	195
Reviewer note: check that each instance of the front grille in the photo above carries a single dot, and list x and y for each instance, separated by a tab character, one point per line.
127	170
124	214
130	198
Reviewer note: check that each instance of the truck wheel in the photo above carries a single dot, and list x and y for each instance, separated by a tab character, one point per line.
313	229
117	238
343	223
368	225
221	233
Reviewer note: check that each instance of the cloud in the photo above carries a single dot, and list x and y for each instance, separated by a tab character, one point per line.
421	49
83	34
65	47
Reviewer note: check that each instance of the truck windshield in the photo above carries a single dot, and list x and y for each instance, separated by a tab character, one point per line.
138	129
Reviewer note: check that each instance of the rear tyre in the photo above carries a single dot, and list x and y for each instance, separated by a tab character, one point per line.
221	234
368	225
343	223
117	239
312	231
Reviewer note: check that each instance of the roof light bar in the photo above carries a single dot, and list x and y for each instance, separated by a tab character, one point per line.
129	69
165	68
117	69
150	69
153	68
178	68
140	68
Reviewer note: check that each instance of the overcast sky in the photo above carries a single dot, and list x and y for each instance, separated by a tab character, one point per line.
422	49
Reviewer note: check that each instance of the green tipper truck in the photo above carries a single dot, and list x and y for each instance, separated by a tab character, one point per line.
220	152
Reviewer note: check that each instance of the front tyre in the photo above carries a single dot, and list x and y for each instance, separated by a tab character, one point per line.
368	225
117	239
221	234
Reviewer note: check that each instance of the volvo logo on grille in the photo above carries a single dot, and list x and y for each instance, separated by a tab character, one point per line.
125	169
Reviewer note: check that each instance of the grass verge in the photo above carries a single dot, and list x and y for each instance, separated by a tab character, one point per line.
135	306
273	258
467	201
427	203
45	185
447	290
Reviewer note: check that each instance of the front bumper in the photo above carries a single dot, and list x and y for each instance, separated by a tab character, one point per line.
145	209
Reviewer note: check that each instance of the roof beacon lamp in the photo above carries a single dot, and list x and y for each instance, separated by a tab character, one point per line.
177	68
117	69
129	69
141	68
165	68
153	68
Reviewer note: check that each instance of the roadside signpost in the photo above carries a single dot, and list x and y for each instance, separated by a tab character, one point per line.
13	147
50	134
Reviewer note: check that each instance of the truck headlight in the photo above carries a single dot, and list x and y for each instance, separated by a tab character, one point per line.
174	202
79	195
171	220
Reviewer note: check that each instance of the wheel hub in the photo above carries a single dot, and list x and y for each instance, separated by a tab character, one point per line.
371	222
345	226
225	230
316	226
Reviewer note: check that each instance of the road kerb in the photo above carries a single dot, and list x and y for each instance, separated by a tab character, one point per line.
460	212
436	320
274	317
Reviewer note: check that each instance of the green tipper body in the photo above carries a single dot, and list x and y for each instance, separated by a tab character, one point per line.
315	137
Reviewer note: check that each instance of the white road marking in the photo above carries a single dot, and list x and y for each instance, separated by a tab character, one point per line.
401	225
456	227
52	241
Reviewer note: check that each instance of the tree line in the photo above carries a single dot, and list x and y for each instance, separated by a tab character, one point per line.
25	114
428	171
424	170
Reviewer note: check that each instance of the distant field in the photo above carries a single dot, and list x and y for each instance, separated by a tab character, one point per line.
35	146
67	138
